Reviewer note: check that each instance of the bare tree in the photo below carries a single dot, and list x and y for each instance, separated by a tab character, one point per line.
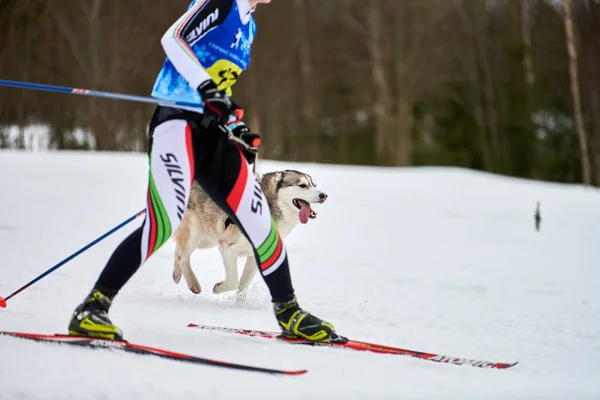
382	96
306	87
526	38
586	14
475	19
577	109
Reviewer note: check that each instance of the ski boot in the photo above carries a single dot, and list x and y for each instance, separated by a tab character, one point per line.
91	318
297	323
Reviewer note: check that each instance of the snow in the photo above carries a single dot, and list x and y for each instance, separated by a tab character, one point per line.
432	259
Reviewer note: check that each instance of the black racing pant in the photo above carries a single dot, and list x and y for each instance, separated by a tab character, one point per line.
181	151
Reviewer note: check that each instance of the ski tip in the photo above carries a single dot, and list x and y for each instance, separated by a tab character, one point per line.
2	302
505	365
191	325
299	372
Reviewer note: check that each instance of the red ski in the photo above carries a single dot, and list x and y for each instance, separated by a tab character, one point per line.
143	350
360	346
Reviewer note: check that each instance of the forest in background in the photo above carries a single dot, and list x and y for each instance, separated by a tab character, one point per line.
482	84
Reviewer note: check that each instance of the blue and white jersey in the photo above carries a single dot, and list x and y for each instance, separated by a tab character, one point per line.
210	41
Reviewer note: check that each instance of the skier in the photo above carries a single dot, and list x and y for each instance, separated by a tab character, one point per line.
207	48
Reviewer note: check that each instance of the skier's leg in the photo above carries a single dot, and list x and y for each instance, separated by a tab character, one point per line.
171	174
225	175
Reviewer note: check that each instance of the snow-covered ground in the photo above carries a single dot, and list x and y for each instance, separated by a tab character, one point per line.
431	259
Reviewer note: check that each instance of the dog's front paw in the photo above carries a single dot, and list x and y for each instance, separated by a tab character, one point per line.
241	296
222	287
243	287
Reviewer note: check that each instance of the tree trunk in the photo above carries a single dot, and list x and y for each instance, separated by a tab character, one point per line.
307	77
526	38
98	121
474	72
579	124
586	14
595	113
488	104
403	126
382	96
306	69
528	90
400	54
489	95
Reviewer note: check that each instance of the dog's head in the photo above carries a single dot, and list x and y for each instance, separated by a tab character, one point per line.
295	192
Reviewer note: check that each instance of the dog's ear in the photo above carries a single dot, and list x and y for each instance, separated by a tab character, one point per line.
278	177
278	181
271	180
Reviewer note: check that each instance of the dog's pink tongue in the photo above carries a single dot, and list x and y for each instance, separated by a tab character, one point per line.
304	213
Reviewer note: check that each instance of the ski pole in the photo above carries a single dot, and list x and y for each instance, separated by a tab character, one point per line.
94	93
3	300
118	96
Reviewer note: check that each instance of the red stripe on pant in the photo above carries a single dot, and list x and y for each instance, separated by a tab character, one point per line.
190	151
152	221
235	196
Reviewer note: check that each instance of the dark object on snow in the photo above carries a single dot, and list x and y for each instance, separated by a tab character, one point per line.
538	217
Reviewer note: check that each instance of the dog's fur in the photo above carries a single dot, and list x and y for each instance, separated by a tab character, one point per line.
204	226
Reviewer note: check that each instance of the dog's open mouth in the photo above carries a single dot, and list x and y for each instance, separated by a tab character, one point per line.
305	211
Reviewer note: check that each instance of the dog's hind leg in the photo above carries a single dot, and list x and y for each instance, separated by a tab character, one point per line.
177	270
180	237
185	240
230	256
248	274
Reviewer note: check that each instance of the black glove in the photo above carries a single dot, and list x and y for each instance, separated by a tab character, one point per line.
217	105
241	131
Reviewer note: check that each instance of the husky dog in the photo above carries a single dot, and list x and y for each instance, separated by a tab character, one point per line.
204	225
